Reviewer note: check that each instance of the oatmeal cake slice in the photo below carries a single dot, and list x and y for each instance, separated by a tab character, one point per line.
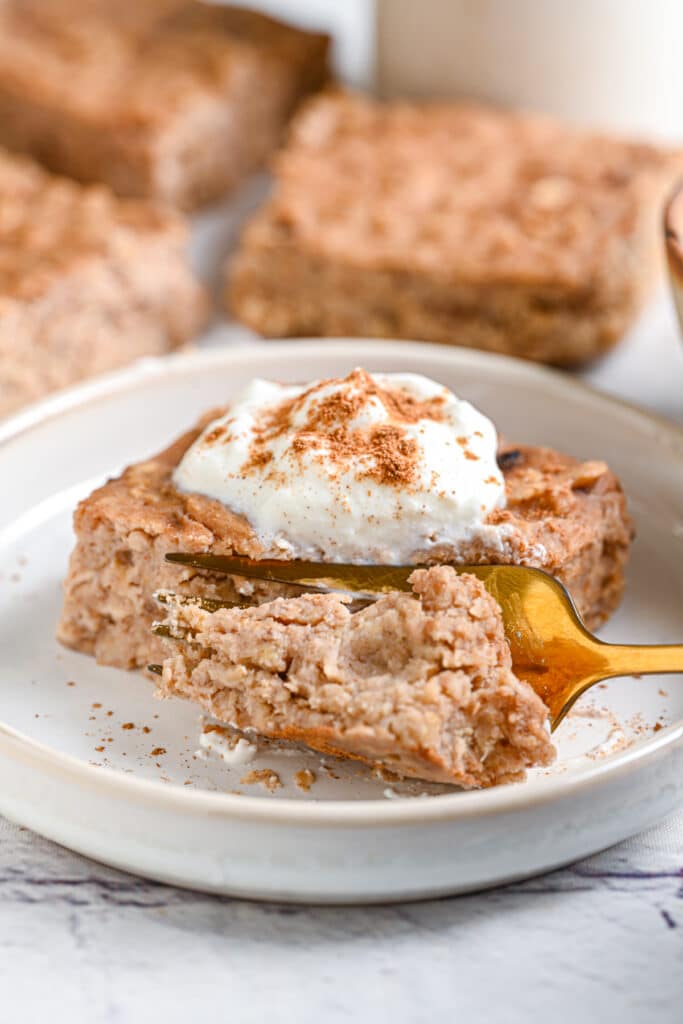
453	223
420	683
172	99
88	282
562	515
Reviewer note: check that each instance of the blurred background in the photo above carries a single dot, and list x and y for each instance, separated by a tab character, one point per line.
609	63
188	103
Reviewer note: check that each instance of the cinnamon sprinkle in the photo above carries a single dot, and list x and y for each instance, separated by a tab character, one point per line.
381	452
219	433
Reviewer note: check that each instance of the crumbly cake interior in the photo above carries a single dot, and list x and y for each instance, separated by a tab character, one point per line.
420	683
454	223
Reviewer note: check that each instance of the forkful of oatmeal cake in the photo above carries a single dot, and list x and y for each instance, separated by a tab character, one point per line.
549	647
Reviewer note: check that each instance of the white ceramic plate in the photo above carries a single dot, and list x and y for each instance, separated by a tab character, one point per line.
72	771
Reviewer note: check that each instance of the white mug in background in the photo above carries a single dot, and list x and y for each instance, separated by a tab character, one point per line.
613	64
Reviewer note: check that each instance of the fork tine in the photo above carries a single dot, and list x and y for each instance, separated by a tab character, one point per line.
209	604
215	563
169	632
315	576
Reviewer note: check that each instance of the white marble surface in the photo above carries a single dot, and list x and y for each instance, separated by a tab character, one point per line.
601	941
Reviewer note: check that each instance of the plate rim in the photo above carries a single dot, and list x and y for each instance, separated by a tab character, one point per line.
444	807
140	370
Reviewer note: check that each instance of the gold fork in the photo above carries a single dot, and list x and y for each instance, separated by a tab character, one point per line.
551	648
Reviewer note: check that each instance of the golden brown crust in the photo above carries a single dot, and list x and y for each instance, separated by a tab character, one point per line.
169	98
453	223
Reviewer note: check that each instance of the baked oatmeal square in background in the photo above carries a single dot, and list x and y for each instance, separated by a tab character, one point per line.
88	282
453	223
172	99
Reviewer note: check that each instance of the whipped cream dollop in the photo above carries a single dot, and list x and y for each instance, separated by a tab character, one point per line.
367	468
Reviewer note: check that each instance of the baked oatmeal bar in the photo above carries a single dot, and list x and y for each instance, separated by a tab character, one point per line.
88	282
421	683
453	223
171	99
564	516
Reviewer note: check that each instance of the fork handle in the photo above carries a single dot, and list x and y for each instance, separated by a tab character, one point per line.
631	659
